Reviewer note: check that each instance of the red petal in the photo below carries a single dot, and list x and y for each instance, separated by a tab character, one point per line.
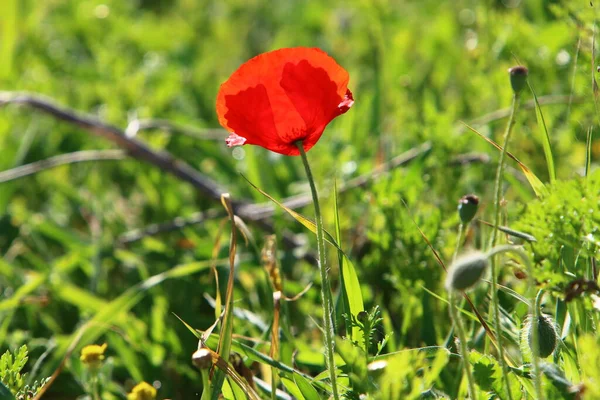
249	114
314	95
283	96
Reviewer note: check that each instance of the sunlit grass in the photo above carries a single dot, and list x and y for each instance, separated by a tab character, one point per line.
423	73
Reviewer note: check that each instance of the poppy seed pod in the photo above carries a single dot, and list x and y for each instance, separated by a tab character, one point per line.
547	336
467	207
466	271
518	78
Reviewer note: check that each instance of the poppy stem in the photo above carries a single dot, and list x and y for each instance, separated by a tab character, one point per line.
463	346
494	240
325	285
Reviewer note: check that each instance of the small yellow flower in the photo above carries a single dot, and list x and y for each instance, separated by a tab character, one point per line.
92	355
142	391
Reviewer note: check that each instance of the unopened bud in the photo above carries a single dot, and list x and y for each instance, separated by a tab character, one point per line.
547	336
202	358
518	78
467	207
466	271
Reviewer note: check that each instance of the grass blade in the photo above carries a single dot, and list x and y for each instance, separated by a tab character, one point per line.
484	324
545	137
297	216
224	347
350	285
5	394
511	232
588	151
308	391
536	184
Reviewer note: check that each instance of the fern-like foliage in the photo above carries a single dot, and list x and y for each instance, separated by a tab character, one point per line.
11	366
566	224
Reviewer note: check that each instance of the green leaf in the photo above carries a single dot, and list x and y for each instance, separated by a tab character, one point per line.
351	282
117	308
225	337
308	391
488	376
536	184
298	217
351	291
511	232
257	356
292	387
557	377
5	394
588	150
545	137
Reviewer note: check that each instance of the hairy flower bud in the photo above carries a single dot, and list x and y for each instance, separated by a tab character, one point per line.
547	336
467	207
466	271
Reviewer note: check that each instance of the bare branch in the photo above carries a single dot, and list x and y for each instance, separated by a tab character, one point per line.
265	210
139	150
63	159
134	147
138	125
258	213
176	224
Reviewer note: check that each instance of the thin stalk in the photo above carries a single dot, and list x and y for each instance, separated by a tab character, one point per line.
325	285
494	239
206	391
462	228
535	336
534	310
464	350
95	393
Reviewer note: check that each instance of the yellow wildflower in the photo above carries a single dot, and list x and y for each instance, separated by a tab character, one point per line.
142	391
92	355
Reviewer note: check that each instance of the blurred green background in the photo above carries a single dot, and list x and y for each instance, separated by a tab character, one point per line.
417	68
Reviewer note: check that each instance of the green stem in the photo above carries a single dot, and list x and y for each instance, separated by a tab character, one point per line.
95	394
206	390
462	338
534	310
462	228
325	286
494	239
535	336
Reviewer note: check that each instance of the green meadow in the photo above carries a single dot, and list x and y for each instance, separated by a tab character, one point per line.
126	220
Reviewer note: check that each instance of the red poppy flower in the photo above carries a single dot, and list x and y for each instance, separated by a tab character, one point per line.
283	96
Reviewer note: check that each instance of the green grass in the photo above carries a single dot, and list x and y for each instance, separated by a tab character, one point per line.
419	71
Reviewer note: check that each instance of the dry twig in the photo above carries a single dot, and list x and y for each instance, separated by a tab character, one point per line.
63	159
